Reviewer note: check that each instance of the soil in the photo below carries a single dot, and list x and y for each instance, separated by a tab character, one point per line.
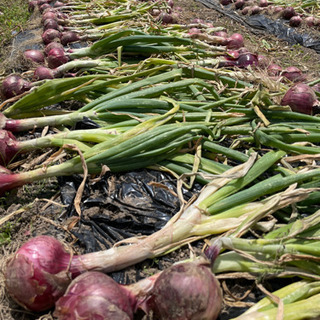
46	207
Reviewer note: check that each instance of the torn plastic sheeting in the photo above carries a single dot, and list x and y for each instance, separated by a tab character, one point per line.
123	205
263	23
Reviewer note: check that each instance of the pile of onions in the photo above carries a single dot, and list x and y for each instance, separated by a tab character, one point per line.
300	98
41	270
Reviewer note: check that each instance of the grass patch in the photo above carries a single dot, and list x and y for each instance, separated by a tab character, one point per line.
14	16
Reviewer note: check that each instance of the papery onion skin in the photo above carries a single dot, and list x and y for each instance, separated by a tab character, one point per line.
38	273
14	85
186	291
56	57
52	45
50	35
8	148
69	37
235	41
300	98
36	56
294	74
42	73
94	295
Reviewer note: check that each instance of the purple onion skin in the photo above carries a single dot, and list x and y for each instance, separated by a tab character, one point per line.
14	85
56	57
42	73
288	13
239	4
247	59
69	37
52	45
295	21
36	56
293	74
274	70
300	98
49	15
186	291
94	295
8	147
50	23
39	272
50	35
235	41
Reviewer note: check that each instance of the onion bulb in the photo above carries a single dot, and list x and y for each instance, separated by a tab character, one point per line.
187	291
38	274
50	35
56	57
7	147
94	295
36	56
235	41
288	12
300	98
14	85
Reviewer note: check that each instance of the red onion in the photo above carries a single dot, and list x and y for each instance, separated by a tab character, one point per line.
288	13
295	21
94	295
225	2
50	24
38	274
50	35
52	45
49	15
255	10
247	59
197	21
44	6
245	11
69	37
235	41
32	5
221	34
277	9
34	55
309	21
42	73
170	3
165	18
274	70
58	4
263	61
239	4
56	57
155	12
7	147
187	291
263	3
316	87
14	85
294	74
194	31
232	55
300	98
